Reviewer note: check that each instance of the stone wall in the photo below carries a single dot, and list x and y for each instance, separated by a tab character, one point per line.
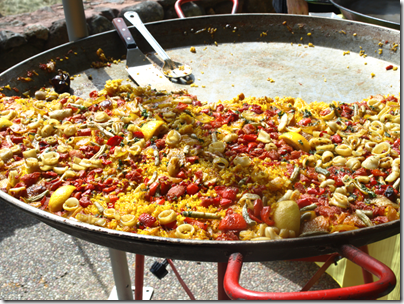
25	35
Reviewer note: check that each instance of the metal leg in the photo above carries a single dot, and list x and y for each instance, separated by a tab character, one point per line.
75	19
120	270
367	276
319	272
139	275
221	270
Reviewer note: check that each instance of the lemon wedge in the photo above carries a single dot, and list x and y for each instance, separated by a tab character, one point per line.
296	140
5	123
150	127
59	197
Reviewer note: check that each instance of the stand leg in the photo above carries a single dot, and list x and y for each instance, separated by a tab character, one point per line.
221	270
139	275
120	270
367	276
75	19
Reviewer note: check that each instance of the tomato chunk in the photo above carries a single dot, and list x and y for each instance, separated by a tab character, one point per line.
192	189
233	221
208	201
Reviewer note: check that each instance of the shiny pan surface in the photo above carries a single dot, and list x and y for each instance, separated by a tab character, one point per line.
235	54
380	12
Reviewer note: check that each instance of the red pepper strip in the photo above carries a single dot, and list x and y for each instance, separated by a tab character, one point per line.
304	121
254	218
138	134
303	202
378	172
250	137
93	94
251	146
16	139
170	226
207	201
181	106
114	141
84	132
258	205
197	223
146	219
312	191
153	188
265	215
109	189
389	67
112	198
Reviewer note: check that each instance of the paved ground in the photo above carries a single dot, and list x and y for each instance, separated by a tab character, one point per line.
38	262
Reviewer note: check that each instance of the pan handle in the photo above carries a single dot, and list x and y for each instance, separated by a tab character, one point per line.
385	284
180	14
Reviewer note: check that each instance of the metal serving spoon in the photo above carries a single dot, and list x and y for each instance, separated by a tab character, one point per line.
170	68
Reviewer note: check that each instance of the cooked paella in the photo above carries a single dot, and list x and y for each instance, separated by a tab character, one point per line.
166	164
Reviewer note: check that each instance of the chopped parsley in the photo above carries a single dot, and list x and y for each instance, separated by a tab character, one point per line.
188	112
307	113
145	113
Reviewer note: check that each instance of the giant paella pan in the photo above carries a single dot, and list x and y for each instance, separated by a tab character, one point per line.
233	58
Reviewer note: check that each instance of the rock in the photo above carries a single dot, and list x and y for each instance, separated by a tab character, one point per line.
17	23
213	3
166	3
191	9
99	24
9	39
148	11
45	9
226	7
170	13
258	6
107	12
38	31
57	33
115	1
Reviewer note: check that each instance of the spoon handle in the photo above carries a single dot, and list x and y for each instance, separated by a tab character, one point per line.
134	18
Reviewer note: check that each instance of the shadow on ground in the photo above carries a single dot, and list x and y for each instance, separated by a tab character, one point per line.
13	218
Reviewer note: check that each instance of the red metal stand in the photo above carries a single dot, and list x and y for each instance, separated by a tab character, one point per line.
187	290
180	14
229	275
139	275
221	271
385	285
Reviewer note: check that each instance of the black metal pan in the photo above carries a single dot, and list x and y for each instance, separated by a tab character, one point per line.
237	57
380	12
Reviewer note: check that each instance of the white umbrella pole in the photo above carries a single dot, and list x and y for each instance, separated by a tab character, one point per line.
75	19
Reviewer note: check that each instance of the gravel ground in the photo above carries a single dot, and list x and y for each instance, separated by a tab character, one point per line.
39	262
